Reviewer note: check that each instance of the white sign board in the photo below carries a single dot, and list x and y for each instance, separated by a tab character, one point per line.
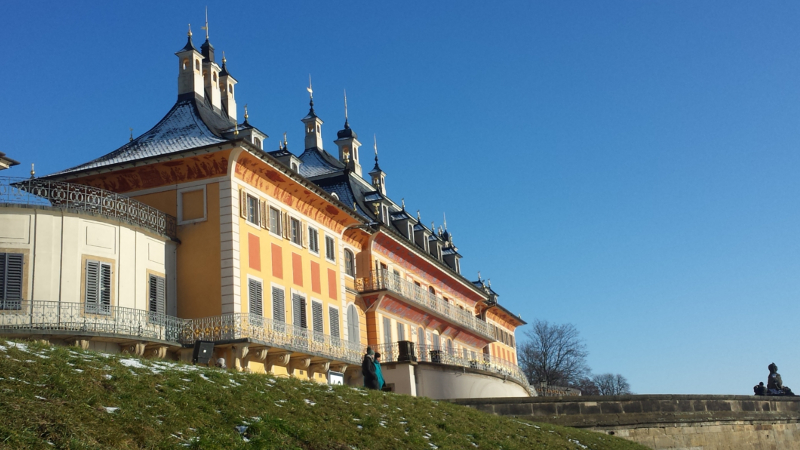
335	377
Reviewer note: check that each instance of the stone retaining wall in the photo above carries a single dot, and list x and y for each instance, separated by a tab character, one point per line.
690	422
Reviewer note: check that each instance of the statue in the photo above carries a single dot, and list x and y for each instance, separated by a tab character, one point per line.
774	384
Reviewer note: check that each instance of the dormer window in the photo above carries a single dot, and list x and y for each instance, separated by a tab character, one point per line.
294	167
257	142
385	214
411	232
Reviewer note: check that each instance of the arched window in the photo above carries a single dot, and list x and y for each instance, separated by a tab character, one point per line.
196	64
230	88
214	76
420	336
352	325
450	347
431	290
257	142
185	64
349	263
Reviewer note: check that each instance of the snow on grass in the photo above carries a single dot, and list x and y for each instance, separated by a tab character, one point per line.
111	409
130	362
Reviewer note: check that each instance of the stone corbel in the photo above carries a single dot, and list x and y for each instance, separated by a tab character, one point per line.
321	367
258	355
239	356
339	367
277	359
159	351
299	363
186	355
83	344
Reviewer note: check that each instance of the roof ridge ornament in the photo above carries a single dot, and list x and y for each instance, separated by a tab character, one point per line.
346	124
375	146
418	219
190	30
285	142
206	27
130	139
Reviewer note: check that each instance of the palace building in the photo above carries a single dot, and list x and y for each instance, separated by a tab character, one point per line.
288	263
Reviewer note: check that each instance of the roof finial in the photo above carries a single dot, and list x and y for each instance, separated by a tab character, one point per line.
445	220
375	137
33	172
206	27
223	58
418	219
130	139
236	130
403	201
310	89
285	142
479	275
346	124
246	116
190	30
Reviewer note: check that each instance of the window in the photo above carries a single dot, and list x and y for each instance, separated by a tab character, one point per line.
296	231
313	240
450	347
294	167
465	353
349	263
11	280
401	332
278	307
274	221
98	288
352	325
299	311
411	232
432	290
330	248
197	64
436	342
387	330
256	302
156	303
316	320
333	315
257	142
252	209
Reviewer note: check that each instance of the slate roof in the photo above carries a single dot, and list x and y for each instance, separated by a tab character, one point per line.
317	162
189	124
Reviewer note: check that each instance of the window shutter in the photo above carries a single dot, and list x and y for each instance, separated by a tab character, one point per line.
255	293
105	288
387	330
286	225
316	316
401	332
333	315
278	308
304	234
299	311
352	325
92	294
242	203
264	215
11	276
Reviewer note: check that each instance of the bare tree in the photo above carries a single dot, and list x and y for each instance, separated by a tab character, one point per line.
587	386
554	354
610	384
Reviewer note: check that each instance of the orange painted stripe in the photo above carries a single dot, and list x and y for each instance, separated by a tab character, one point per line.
277	261
332	284
254	251
297	269
316	286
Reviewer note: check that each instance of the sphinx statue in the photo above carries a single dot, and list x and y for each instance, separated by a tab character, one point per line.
775	384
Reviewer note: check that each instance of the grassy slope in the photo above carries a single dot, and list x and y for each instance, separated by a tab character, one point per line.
57	397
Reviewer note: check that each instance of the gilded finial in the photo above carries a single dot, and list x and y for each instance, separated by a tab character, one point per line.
190	30
236	130
285	141
223	57
130	139
377	209
246	116
33	172
310	89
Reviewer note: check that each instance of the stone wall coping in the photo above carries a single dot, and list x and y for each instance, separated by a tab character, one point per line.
620	398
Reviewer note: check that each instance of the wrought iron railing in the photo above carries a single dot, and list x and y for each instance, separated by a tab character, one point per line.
44	316
86	198
440	355
271	333
383	279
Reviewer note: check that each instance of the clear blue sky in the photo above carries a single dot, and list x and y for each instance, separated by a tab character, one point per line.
630	167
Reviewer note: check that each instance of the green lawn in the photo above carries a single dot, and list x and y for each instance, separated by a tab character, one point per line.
60	397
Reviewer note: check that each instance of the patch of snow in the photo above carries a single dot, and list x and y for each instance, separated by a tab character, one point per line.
578	443
19	346
78	370
203	376
111	409
309	402
107	376
40	398
129	362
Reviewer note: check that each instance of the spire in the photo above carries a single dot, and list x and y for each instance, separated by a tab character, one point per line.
346	124
207	49
375	145
246	116
310	90
224	70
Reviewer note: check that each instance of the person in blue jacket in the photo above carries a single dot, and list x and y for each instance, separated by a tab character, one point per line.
378	371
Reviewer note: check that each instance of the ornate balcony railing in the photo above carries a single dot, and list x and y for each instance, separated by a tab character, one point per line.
271	333
383	279
427	353
47	316
86	198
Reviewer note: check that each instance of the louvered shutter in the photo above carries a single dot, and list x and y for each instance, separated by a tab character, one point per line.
92	294
352	325
105	289
304	234
264	215
157	295
242	203
11	265
436	341
333	315
278	307
316	316
401	332
387	330
255	294
299	311
286	225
